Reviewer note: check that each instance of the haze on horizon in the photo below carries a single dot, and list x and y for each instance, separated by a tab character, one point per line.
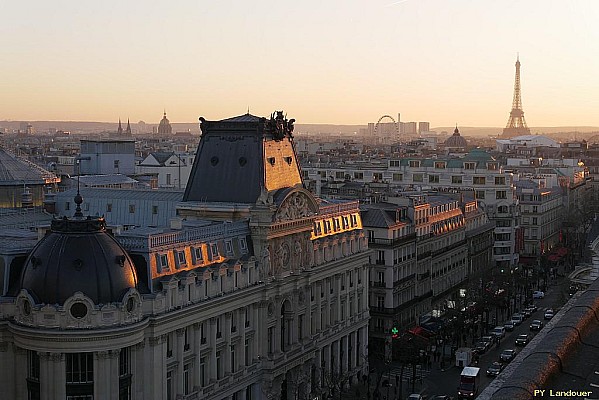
336	62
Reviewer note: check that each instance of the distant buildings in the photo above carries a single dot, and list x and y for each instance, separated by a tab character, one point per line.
107	156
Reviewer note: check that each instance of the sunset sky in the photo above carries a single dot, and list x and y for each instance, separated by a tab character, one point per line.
325	61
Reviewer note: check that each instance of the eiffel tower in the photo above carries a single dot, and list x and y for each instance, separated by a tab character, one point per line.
516	125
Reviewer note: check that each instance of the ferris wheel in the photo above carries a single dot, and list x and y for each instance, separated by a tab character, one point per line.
377	127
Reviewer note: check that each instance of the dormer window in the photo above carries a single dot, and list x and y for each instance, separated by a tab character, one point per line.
469	165
440	164
197	255
162	261
414	163
180	259
229	247
213	251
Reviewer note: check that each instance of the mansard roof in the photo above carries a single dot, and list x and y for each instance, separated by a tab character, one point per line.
241	157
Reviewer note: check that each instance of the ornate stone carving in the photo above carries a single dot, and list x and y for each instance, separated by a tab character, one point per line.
283	255
140	345
271	309
102	355
265	264
154	341
296	206
280	126
297	252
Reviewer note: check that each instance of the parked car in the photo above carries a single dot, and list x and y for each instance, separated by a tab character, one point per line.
522	340
538	294
536	325
509	326
548	313
507	355
488	338
481	347
495	368
517	319
499	331
415	396
532	307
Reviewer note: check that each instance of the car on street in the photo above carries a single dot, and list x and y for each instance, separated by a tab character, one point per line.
536	325
517	319
548	313
415	396
537	294
507	355
509	326
495	368
499	331
488	338
526	312
522	340
532	307
481	347
441	397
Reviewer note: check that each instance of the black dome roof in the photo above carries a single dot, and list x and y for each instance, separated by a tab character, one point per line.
78	255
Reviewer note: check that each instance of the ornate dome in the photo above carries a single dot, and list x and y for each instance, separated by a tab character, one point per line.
456	140
78	255
165	126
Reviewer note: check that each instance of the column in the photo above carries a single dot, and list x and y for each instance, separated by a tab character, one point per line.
113	373
318	363
156	355
197	343
101	375
345	348
226	354
318	288
8	377
60	375
278	327
137	370
212	339
326	353
241	361
338	293
355	351
261	337
335	356
46	377
21	365
179	381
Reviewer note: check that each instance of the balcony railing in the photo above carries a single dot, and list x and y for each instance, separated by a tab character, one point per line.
404	279
391	242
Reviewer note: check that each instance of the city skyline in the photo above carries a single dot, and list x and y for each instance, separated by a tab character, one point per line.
334	62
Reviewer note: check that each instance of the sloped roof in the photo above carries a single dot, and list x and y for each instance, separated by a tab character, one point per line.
242	118
16	171
162	156
377	218
238	158
130	194
112	179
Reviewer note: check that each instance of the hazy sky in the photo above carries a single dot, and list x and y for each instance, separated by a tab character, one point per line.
325	61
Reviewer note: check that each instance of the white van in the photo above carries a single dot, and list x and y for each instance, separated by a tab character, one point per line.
499	331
